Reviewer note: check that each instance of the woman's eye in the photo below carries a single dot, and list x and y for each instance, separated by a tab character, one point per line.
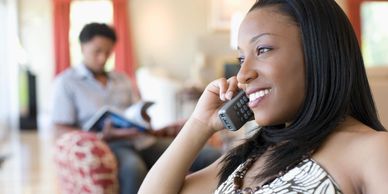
241	60
262	50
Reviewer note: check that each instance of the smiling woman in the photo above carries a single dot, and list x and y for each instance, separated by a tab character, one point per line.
303	71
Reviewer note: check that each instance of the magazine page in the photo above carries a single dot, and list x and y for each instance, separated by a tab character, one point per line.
135	113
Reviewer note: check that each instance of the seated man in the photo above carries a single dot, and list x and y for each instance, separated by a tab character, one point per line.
81	91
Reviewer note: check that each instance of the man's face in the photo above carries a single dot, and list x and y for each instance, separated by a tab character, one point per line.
96	52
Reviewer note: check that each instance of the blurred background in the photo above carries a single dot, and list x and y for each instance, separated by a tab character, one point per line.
173	48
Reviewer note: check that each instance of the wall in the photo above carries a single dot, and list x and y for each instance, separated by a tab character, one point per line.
175	39
37	39
167	33
3	99
8	66
378	81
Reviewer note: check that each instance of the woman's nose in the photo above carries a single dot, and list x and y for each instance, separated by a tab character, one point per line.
247	73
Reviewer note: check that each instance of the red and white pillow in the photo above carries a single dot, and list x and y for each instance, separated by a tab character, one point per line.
85	164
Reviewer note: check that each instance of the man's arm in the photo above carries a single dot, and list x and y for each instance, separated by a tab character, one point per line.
63	107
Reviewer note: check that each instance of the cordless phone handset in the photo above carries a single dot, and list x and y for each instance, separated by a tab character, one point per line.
235	113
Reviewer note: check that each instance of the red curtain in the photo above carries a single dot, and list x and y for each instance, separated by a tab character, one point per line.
61	34
125	60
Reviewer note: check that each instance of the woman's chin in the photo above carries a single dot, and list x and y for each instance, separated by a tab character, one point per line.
264	122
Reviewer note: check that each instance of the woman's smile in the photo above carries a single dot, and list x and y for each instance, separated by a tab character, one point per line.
256	97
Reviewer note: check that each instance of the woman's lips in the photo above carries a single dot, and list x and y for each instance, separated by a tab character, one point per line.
256	97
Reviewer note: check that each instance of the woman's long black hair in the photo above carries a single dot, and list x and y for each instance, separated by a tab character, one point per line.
336	86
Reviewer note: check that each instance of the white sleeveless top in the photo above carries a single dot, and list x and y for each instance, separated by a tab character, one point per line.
308	177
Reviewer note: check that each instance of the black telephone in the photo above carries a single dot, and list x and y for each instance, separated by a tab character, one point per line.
235	113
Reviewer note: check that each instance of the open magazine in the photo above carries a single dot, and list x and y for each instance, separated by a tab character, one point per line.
130	118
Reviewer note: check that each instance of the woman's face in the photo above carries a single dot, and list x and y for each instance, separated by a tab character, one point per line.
272	66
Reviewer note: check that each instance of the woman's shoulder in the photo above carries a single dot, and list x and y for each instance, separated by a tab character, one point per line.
369	142
362	141
350	153
373	165
357	134
366	156
374	140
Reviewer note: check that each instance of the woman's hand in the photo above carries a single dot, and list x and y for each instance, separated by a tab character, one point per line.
173	165
211	100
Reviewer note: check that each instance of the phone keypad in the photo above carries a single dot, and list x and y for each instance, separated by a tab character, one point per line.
236	112
242	109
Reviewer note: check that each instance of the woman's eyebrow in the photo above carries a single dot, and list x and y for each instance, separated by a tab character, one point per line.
253	39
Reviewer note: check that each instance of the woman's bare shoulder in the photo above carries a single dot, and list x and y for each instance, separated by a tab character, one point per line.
375	162
351	152
361	137
372	143
370	158
363	142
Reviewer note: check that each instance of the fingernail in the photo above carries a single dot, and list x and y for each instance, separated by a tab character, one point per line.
229	95
222	96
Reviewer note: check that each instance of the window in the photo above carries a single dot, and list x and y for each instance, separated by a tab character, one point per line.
83	12
374	33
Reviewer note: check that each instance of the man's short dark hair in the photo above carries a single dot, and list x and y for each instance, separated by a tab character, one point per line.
91	30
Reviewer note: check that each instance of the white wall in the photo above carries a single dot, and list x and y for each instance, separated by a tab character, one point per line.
3	98
37	39
166	33
177	36
8	66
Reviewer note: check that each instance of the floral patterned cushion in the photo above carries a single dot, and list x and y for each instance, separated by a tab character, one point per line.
85	164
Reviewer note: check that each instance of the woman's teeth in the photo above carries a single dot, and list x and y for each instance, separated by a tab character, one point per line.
259	94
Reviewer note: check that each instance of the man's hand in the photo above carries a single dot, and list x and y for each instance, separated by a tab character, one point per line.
110	133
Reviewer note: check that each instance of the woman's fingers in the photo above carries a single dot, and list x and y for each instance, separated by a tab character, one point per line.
227	88
214	96
232	88
223	86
